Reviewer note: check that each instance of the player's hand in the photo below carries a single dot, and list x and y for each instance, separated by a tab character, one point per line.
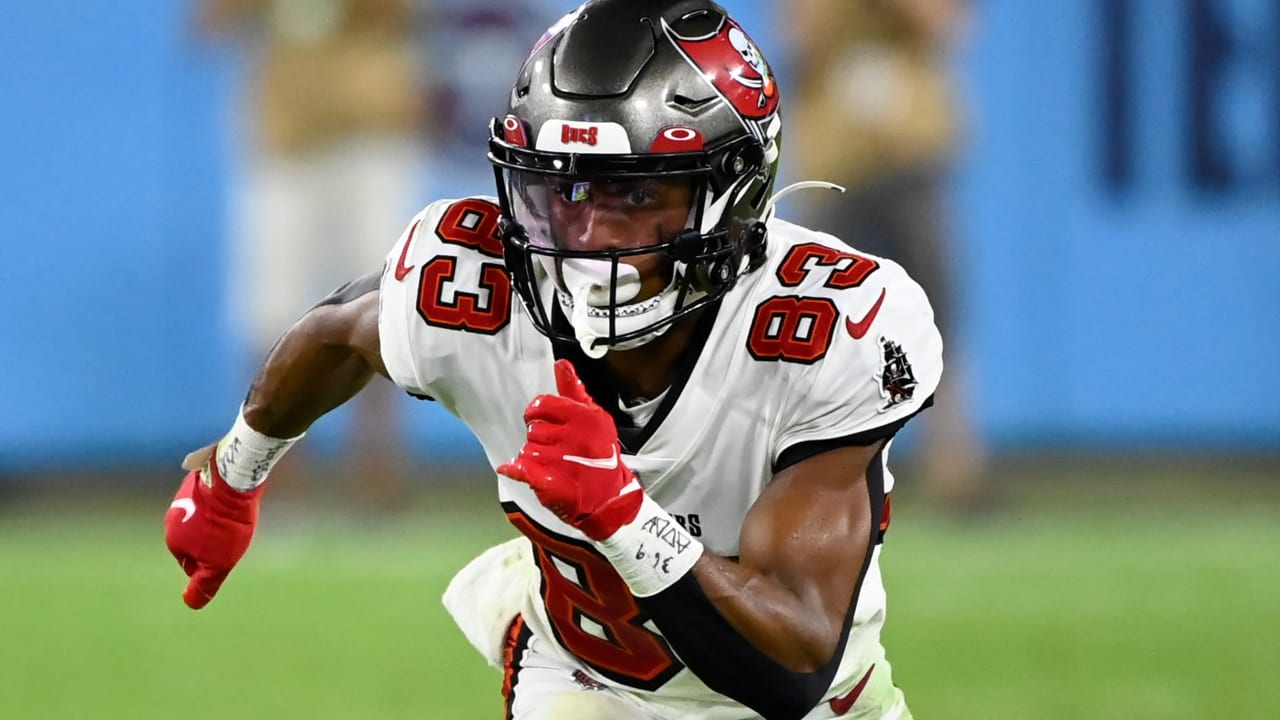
208	526
572	460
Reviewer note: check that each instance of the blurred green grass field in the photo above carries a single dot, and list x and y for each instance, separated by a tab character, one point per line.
1098	600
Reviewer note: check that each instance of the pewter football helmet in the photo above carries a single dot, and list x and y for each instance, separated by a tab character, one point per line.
618	94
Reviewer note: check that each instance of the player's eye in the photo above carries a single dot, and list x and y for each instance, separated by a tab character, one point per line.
637	194
638	197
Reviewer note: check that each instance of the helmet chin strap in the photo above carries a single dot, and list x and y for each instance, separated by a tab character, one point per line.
586	303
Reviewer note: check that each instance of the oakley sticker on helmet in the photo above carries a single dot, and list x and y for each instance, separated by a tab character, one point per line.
677	139
513	131
733	64
604	138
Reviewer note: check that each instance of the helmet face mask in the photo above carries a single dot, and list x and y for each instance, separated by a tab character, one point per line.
632	186
625	240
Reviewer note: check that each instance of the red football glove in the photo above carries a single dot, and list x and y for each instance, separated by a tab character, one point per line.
208	528
571	460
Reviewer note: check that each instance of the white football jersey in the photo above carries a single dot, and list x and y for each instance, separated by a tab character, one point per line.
818	344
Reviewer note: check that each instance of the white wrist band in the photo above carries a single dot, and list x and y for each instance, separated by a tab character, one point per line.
651	552
245	456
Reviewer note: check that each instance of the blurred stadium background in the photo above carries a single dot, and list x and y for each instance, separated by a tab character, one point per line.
1118	212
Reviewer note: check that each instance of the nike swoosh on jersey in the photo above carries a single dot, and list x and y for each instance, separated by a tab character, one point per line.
187	505
859	329
605	463
844	703
401	269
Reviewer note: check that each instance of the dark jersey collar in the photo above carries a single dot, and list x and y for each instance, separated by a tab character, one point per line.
601	384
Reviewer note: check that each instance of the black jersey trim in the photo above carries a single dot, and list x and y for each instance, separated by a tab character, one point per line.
599	381
805	450
353	290
728	663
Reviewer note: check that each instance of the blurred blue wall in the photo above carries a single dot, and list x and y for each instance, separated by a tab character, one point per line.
1122	221
1118	212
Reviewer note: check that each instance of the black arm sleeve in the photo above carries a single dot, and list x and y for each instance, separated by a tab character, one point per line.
728	663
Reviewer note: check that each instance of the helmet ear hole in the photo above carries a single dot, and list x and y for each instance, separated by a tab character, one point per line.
745	161
714	276
733	165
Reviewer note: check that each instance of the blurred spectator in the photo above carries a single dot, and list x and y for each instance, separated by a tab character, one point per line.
335	161
477	47
873	112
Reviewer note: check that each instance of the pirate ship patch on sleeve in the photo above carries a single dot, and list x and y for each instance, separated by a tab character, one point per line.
897	381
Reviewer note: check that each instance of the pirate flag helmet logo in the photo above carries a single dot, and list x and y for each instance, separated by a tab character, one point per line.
732	63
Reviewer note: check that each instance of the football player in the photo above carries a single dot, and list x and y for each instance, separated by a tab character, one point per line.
687	401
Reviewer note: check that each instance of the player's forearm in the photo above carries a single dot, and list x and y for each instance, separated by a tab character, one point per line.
796	632
745	633
740	643
320	363
299	383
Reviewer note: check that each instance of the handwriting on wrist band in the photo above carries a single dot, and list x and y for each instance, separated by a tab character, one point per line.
660	562
669	532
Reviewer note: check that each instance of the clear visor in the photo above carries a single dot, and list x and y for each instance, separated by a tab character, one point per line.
599	216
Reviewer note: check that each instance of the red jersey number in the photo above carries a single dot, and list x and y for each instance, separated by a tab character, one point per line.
472	312
791	328
593	613
471	223
798	329
845	269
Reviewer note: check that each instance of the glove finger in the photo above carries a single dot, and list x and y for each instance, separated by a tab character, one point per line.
556	496
553	409
514	470
543	468
203	586
545	433
528	470
568	384
185	561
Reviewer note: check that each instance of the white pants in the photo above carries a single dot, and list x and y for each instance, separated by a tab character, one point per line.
540	684
491	597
